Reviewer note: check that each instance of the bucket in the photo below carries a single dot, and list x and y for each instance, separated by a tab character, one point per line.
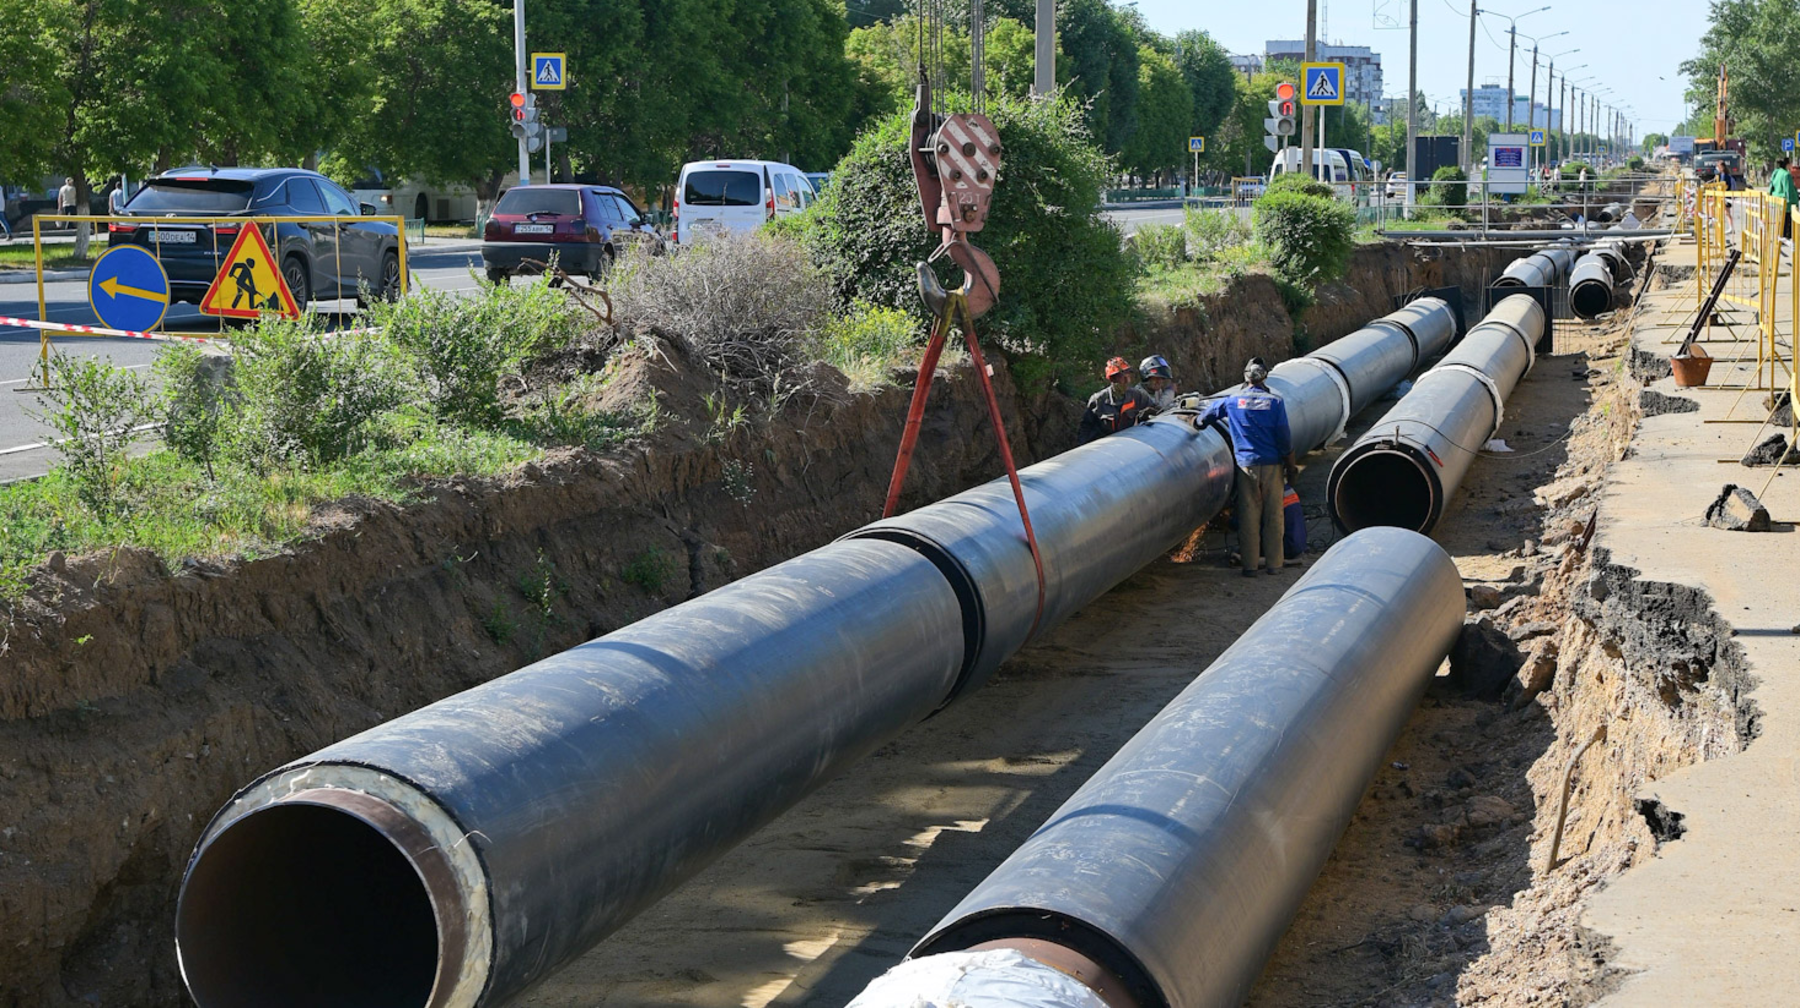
1691	371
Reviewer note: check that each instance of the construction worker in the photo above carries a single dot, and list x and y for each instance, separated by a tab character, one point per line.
1782	184
1256	420
1158	381
1119	405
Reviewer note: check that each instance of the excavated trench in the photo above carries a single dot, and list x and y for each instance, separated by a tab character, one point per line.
135	702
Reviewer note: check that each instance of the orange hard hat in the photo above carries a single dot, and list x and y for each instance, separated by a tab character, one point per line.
1116	366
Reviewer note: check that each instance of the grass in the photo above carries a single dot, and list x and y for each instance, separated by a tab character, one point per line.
1185	285
19	255
177	512
451	231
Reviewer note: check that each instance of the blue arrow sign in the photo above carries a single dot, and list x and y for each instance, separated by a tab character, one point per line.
128	289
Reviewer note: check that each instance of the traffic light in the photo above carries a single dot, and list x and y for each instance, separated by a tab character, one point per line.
525	125
1281	115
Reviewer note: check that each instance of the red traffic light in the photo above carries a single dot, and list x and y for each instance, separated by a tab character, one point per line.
1285	91
1287	107
518	98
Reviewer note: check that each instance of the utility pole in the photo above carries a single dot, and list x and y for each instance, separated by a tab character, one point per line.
1512	46
1306	110
1468	137
1045	81
522	84
1531	102
1412	108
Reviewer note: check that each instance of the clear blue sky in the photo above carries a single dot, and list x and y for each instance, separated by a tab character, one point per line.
1643	40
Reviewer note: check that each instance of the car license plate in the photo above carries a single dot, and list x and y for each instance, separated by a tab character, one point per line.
165	237
533	228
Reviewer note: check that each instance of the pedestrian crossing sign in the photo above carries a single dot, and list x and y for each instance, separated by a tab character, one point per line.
1537	138
248	285
1324	84
547	71
1196	145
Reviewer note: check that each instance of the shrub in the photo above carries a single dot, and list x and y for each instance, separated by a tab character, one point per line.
463	346
1159	246
1450	187
743	305
195	386
1064	273
95	408
310	398
867	341
1636	164
1212	232
1309	238
1297	182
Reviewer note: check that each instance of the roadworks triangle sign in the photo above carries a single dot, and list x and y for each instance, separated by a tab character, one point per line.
248	285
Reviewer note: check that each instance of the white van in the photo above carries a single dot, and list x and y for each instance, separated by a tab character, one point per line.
1329	165
717	196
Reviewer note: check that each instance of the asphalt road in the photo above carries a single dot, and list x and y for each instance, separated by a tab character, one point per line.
23	451
1130	220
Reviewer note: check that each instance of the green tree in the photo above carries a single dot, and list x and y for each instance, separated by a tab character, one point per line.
1653	141
1758	42
1102	56
1164	115
1210	77
435	108
1236	145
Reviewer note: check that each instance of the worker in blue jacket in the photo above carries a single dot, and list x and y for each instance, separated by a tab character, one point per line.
1257	422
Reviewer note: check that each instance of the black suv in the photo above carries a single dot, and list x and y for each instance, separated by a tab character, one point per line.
323	260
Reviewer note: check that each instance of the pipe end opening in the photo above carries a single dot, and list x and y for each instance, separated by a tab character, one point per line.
301	905
1590	299
1385	487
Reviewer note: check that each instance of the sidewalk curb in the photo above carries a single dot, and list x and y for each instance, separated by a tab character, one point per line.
24	276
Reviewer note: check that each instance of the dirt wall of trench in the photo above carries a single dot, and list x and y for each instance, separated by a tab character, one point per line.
135	700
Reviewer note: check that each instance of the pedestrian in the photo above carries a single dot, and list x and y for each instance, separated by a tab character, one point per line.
1256	421
5	224
1782	184
1158	381
1119	405
65	200
115	197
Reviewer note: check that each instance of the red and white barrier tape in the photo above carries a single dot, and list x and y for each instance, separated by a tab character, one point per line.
7	320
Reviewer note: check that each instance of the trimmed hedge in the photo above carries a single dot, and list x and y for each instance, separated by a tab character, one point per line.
1309	238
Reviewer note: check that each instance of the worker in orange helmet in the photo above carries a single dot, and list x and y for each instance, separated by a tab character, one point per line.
1119	405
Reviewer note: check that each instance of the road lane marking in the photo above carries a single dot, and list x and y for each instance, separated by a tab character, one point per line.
139	429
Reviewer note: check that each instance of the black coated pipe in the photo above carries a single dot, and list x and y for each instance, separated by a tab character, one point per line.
481	842
1546	268
1591	282
1177	867
1407	467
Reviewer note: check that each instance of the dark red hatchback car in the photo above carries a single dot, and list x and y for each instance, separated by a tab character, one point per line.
585	227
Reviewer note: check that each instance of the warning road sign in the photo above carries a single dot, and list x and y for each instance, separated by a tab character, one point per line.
248	285
547	71
1323	84
128	289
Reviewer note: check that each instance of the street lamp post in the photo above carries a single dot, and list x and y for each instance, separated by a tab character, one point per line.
1550	120
1531	95
1512	22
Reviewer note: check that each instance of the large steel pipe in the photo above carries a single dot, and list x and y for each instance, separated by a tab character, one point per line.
1409	464
1170	876
1546	268
459	854
1591	281
1100	511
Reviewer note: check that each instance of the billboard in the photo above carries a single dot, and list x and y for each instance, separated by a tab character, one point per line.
1508	171
1683	146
